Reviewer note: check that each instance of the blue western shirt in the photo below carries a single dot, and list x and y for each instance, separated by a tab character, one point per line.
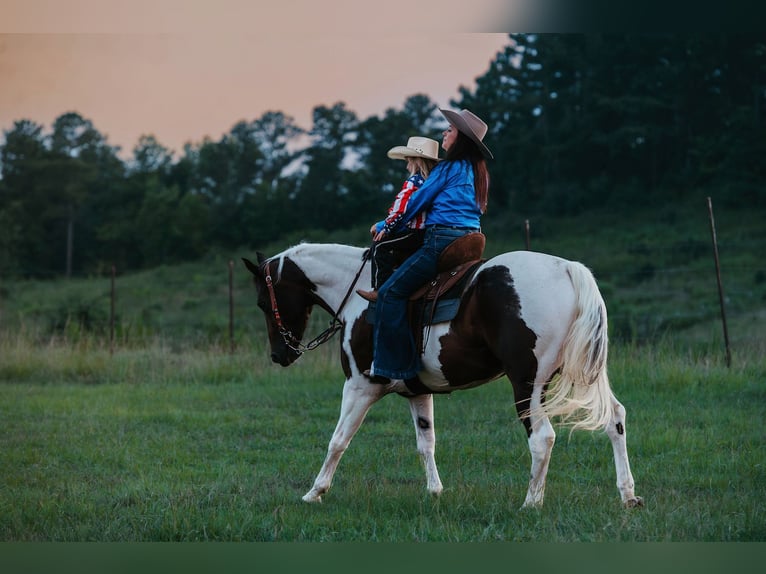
447	195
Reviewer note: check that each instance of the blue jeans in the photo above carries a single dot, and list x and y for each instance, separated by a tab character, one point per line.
395	355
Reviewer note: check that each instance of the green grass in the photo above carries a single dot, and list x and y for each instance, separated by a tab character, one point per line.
182	444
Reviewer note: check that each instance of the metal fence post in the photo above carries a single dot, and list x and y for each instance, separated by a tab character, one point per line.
526	232
111	314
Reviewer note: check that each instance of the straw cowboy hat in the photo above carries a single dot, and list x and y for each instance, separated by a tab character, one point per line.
416	147
471	125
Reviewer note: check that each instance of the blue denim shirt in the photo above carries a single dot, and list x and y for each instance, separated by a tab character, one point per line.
448	195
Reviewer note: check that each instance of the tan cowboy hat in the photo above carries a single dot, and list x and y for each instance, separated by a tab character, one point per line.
416	147
471	125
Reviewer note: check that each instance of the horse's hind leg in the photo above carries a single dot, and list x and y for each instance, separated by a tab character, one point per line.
358	397
541	440
422	409
540	434
615	429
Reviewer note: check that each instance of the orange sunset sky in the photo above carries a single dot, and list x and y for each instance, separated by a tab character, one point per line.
185	69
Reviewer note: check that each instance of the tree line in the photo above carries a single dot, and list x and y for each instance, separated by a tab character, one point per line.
577	121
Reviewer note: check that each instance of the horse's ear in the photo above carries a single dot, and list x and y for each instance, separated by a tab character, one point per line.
260	256
252	267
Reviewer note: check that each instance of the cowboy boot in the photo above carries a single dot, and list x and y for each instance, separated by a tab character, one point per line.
371	296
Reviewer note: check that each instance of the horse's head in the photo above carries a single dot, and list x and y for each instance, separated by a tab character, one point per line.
286	298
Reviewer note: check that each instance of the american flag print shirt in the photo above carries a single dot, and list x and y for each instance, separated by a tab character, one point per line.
399	206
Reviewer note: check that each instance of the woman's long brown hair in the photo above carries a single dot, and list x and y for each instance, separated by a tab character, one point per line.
465	148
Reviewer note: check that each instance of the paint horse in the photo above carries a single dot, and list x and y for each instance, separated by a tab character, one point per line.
535	318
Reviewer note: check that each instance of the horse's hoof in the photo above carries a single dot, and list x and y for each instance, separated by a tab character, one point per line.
636	502
313	498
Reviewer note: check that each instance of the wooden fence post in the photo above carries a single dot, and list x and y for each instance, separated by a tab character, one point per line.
231	306
720	287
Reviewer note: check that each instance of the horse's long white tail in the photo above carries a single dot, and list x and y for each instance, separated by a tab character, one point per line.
581	394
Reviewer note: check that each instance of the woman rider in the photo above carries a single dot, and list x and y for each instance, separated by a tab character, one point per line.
454	197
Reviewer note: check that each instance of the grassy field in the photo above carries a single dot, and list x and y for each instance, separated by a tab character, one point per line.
171	437
162	443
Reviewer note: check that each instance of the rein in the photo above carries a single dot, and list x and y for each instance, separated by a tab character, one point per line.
293	342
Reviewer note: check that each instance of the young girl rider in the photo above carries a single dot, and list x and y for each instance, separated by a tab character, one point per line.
391	249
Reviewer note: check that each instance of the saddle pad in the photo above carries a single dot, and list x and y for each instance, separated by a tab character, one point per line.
446	309
447	288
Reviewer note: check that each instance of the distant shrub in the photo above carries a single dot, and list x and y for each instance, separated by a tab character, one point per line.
76	315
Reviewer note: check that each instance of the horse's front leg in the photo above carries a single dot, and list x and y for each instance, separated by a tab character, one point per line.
422	409
358	396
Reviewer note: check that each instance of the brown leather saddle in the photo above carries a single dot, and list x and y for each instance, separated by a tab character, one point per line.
456	259
439	299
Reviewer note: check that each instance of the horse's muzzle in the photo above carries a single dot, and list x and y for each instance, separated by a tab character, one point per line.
284	356
281	359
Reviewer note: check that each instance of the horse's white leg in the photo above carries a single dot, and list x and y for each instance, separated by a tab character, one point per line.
616	432
358	397
422	410
541	442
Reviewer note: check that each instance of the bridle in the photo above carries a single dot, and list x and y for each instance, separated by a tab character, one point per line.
293	342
